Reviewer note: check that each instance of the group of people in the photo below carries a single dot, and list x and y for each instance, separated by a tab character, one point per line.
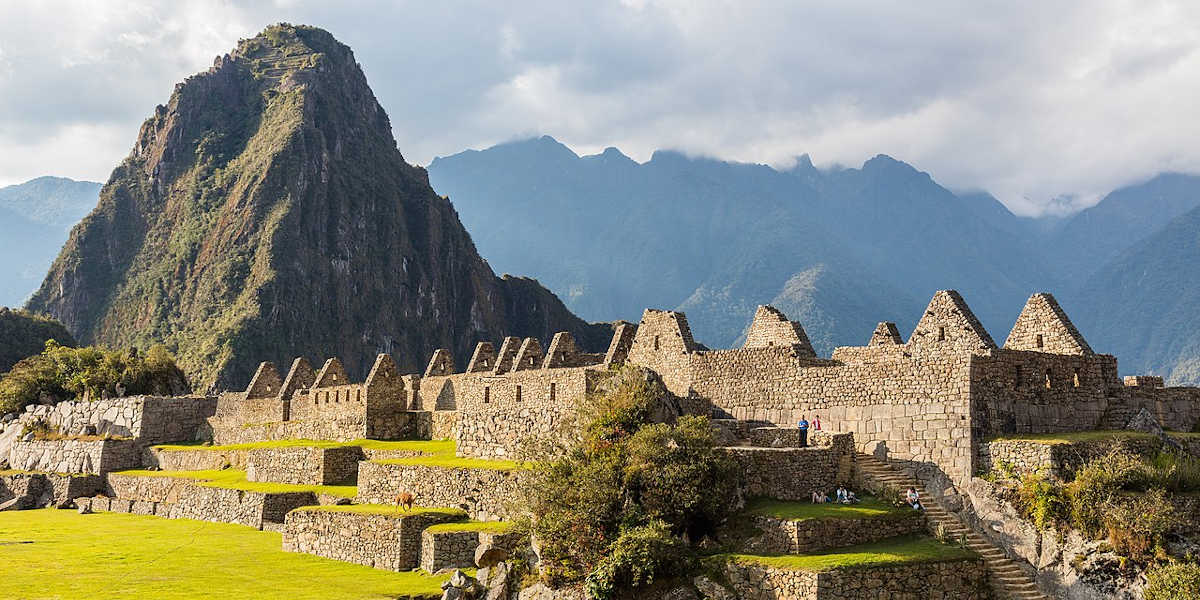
841	496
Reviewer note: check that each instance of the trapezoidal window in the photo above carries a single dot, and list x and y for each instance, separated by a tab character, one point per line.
518	393
1078	378
532	362
484	363
487	394
656	342
941	334
1041	342
552	391
1018	377
1049	380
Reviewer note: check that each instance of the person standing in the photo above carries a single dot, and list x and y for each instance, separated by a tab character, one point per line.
803	427
816	423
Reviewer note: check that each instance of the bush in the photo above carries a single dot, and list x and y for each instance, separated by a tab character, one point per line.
1179	473
1175	581
1137	524
636	558
1042	501
616	510
61	373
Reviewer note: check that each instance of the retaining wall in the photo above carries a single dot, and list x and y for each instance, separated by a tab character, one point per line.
381	541
785	536
75	456
483	493
961	580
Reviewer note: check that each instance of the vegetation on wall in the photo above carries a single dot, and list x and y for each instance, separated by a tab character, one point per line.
62	373
1119	496
626	506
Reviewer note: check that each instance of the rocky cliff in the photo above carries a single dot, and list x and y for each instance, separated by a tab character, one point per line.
266	212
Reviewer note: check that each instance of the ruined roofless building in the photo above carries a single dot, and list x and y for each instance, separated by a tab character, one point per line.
931	399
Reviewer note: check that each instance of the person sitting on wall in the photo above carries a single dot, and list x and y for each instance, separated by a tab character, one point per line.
803	427
819	497
913	499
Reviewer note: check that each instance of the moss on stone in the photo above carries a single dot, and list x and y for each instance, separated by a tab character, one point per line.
901	550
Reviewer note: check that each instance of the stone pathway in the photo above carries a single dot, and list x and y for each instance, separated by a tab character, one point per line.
1008	579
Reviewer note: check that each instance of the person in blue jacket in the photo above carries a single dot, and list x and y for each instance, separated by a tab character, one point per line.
803	426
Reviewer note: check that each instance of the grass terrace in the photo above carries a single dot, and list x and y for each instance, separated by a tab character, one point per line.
53	554
869	508
386	510
236	480
1071	437
435	447
903	550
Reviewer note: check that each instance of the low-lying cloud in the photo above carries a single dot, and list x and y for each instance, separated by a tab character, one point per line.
1032	101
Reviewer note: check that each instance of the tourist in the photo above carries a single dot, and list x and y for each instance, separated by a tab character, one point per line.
819	497
816	423
913	499
841	495
803	427
851	498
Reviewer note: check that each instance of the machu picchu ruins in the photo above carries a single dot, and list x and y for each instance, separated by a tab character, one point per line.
325	460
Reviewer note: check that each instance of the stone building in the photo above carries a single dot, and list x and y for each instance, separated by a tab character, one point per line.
931	399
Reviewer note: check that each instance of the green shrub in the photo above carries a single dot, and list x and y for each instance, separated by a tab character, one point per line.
61	373
1137	524
616	509
1175	581
1043	501
638	556
1179	473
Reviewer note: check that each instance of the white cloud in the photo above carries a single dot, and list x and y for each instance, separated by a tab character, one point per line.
1033	101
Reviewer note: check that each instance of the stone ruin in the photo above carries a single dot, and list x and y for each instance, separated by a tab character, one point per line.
932	401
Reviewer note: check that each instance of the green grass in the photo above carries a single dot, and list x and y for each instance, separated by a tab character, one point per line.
1069	437
481	526
427	446
55	554
869	508
908	549
387	510
236	480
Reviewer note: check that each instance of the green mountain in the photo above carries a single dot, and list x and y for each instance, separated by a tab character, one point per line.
23	334
1145	304
35	218
265	212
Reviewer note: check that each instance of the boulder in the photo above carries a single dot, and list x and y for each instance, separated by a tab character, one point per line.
876	448
487	555
711	590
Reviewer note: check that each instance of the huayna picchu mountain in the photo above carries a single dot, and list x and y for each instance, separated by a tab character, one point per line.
266	211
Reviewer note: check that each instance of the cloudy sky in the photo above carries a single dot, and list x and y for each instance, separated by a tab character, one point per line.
1042	103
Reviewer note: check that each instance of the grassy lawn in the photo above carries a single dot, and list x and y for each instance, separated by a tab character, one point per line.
387	510
236	480
869	508
62	555
894	551
427	446
481	526
1071	437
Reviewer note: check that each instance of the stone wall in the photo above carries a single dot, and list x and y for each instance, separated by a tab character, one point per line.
1058	460
961	580
304	466
38	490
786	536
483	493
149	419
75	456
496	413
381	541
193	460
792	473
179	498
455	549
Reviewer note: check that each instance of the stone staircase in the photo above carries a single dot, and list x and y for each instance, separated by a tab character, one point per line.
1008	580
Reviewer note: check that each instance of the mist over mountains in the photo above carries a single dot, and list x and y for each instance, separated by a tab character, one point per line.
35	218
837	249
